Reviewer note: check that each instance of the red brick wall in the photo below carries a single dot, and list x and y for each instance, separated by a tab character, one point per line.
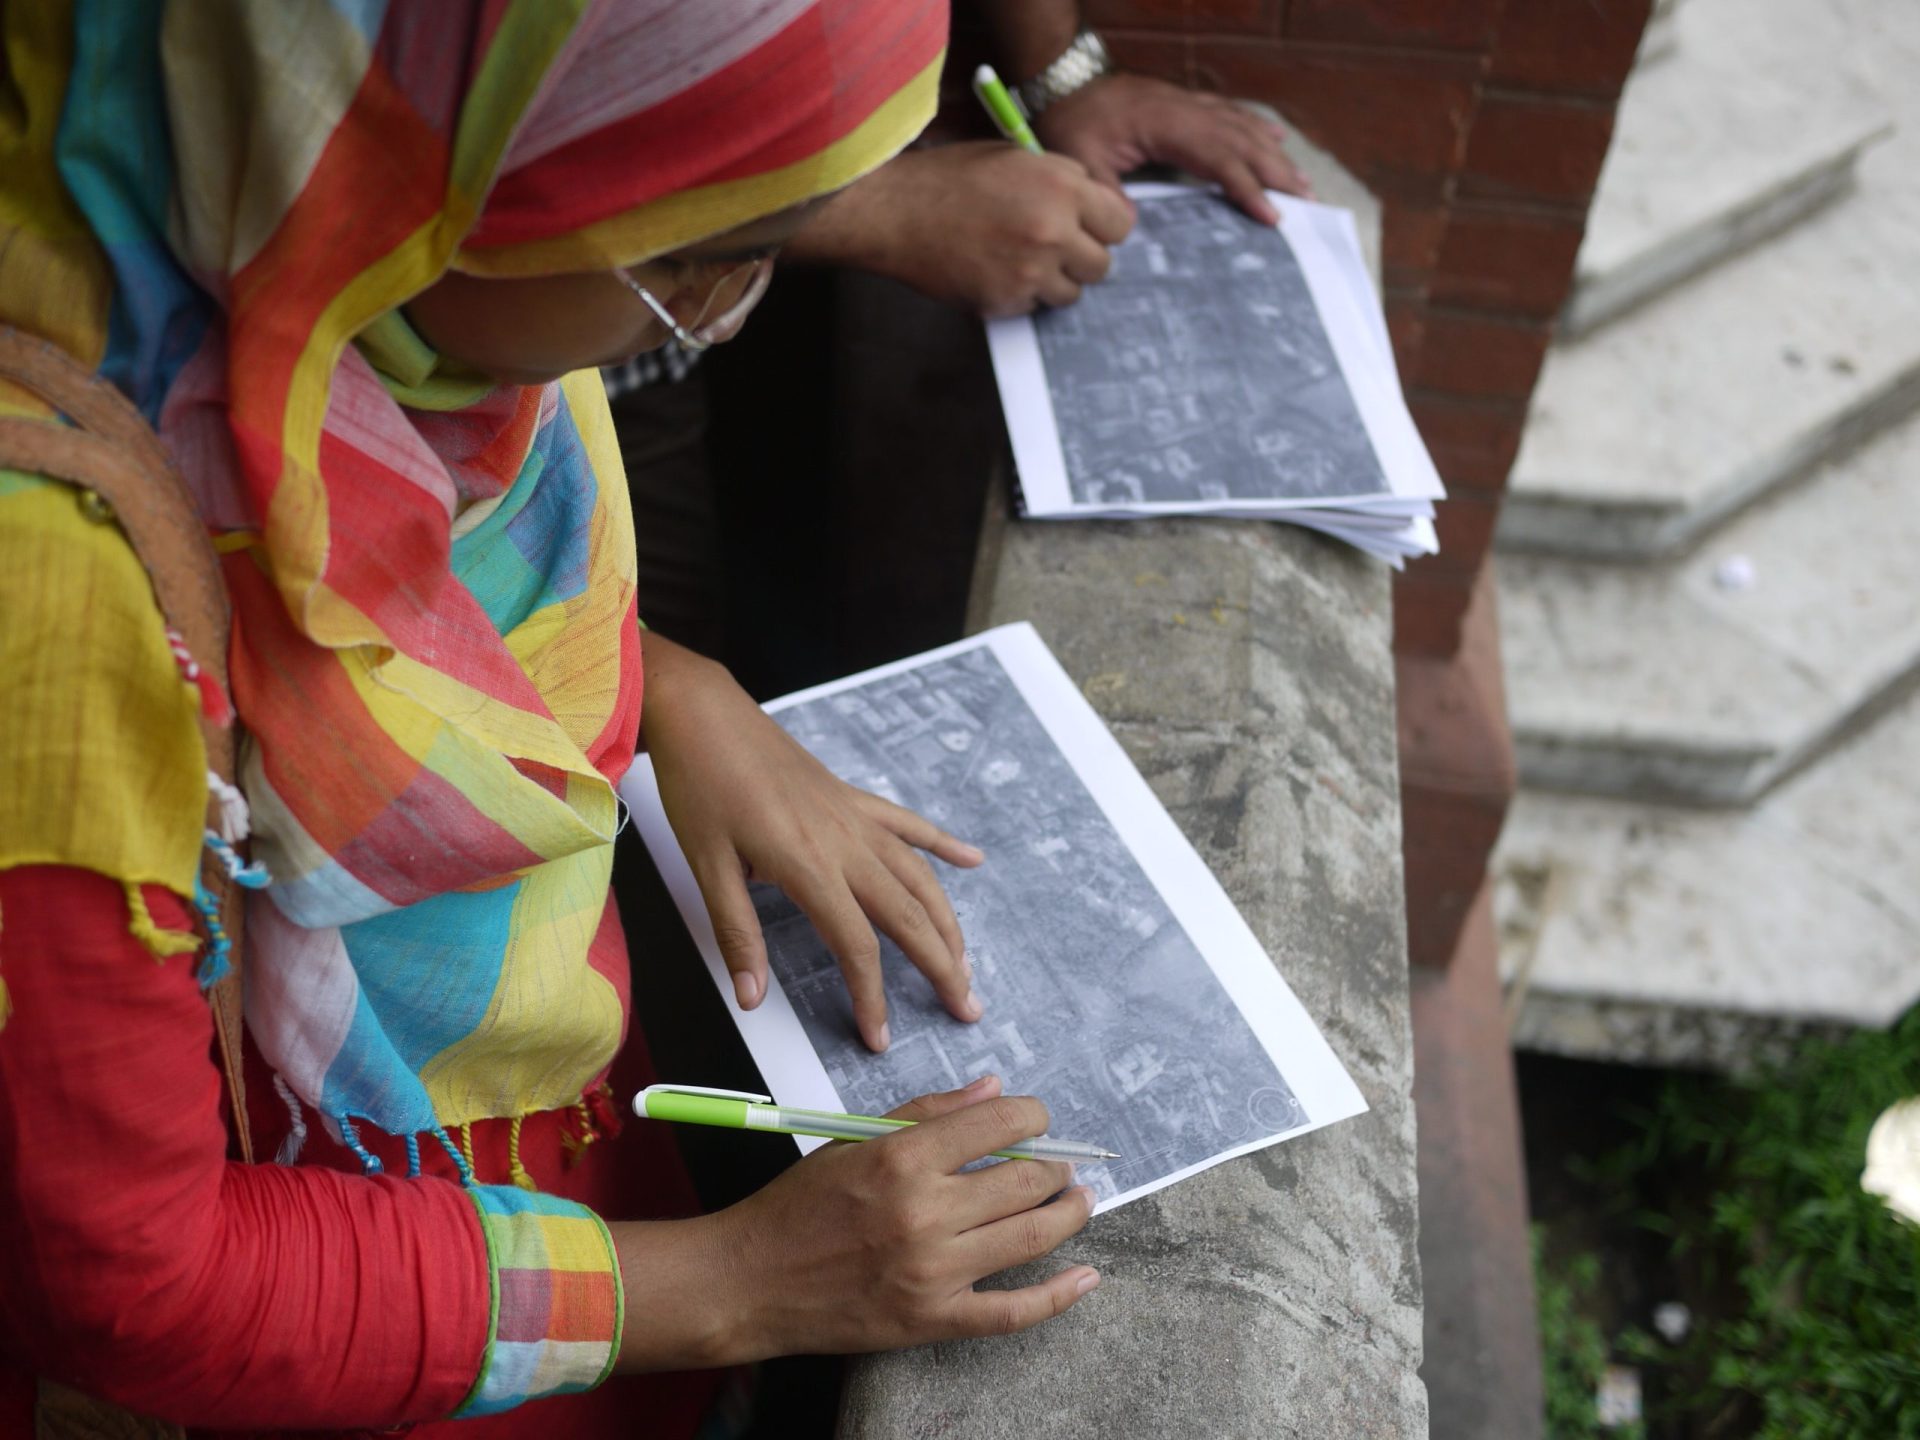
1481	125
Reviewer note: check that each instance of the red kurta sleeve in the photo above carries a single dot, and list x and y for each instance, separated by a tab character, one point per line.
138	1264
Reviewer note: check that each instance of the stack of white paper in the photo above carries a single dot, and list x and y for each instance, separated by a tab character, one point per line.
1223	368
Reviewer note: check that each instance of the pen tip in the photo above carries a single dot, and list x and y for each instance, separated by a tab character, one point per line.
1109	1154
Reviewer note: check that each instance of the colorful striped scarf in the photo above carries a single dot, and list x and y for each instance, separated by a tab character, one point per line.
221	204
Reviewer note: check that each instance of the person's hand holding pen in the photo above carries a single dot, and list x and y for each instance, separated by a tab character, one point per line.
982	225
862	1247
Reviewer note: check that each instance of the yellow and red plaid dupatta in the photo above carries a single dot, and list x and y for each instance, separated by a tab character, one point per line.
221	204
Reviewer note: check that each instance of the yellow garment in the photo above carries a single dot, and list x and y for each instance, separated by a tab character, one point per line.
101	761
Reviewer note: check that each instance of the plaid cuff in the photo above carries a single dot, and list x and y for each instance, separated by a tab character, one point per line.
557	1304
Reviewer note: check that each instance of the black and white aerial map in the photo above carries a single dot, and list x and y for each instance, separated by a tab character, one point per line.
1097	998
1199	370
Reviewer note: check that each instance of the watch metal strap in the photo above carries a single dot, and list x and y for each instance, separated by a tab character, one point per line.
1082	63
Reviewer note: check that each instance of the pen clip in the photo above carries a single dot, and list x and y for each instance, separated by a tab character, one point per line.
749	1096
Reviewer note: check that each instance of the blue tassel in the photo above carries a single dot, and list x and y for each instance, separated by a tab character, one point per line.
413	1157
253	876
369	1162
459	1160
215	964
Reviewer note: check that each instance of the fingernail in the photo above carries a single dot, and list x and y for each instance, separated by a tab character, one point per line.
1086	1282
746	988
972	1007
982	1083
973	852
883	1037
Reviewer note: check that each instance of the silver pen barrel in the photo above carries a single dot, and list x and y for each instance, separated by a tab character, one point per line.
852	1127
1045	1147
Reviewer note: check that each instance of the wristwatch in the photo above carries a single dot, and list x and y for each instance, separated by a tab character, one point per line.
1082	63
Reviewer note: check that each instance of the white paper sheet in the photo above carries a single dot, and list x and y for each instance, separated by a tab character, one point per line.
1179	1012
1325	245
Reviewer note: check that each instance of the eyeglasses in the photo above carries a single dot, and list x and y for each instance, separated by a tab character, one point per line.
702	333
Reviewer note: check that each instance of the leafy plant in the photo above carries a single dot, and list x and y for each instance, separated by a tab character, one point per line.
1816	1331
1573	1347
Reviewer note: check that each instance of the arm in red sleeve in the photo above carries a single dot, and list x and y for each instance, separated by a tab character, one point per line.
138	1264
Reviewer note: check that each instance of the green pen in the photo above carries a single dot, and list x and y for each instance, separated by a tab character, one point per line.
1005	110
744	1110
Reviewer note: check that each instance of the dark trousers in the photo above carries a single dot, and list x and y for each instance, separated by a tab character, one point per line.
807	502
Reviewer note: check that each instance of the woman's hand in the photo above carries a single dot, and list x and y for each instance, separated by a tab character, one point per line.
863	1247
748	803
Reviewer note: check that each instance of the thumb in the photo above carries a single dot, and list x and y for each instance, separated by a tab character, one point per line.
932	1107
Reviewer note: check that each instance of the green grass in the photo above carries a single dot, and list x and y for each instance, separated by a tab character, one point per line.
1806	1290
1574	1348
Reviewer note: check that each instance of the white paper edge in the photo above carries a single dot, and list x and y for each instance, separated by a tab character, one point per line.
1339	286
793	1072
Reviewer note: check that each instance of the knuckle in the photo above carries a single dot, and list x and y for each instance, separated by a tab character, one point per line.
733	939
913	918
892	1159
1004	1316
1036	1181
1007	1112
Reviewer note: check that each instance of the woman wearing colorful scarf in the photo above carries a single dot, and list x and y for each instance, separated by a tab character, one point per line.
348	261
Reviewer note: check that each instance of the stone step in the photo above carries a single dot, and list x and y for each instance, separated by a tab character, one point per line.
1661	37
1683	191
1655	935
1651	431
1712	151
1677	681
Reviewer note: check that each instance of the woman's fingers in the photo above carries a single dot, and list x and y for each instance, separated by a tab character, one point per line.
1002	1312
909	920
920	832
736	926
1029	1234
996	1191
842	922
954	983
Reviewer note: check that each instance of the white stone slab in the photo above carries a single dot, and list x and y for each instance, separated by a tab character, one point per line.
1651	431
1719	929
1713	151
1665	680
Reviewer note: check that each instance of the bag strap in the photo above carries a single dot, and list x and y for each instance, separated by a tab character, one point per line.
111	453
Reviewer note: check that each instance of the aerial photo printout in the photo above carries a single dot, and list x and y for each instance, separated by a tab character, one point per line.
1200	370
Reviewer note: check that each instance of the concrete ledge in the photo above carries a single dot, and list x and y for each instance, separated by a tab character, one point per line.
1247	670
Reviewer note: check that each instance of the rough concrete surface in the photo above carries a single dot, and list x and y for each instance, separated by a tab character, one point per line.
1246	669
1653	429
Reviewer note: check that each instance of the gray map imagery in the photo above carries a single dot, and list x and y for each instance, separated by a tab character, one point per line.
1096	998
1199	370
